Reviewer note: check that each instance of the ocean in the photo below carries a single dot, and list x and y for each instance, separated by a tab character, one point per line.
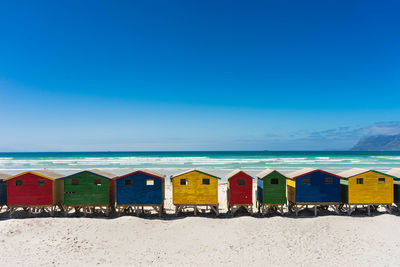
219	163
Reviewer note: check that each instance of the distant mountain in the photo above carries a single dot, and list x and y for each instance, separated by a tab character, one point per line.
378	143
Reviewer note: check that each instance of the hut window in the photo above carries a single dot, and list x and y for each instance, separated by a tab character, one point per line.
128	182
306	180
360	180
274	181
75	182
328	180
149	182
206	181
18	182
40	182
183	181
241	181
97	182
381	181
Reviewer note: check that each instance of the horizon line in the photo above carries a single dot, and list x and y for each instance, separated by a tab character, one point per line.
183	151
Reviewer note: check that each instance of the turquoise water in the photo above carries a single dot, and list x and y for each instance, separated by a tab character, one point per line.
218	162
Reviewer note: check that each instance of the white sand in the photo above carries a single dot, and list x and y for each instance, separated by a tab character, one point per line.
241	241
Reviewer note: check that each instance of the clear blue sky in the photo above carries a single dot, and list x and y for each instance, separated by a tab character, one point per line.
197	75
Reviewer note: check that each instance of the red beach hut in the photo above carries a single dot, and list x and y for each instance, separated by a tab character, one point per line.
240	191
34	191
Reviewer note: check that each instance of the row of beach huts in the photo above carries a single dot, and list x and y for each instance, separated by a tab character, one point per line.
143	191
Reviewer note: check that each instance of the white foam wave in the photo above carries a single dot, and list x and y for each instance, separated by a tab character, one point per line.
117	164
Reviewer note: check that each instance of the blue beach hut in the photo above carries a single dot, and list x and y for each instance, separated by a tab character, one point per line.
138	190
312	187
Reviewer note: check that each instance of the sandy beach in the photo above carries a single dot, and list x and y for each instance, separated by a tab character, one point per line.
327	240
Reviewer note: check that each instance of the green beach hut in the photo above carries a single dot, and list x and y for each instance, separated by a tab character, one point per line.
271	191
89	191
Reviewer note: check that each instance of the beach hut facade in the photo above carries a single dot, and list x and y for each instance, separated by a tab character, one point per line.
367	188
312	187
34	191
89	191
139	190
3	189
395	173
240	191
271	191
195	189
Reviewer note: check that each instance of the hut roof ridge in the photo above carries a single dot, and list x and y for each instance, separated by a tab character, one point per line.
45	173
299	172
98	172
357	171
103	173
147	171
264	173
352	172
234	172
192	170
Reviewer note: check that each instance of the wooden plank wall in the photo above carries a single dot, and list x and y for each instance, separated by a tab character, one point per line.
86	193
139	192
195	192
370	191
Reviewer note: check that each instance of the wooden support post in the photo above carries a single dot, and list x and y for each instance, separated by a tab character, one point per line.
233	210
216	210
296	208
369	210
265	210
315	210
11	211
176	210
281	209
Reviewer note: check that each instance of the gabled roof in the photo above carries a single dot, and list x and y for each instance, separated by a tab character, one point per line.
103	173
395	172
234	172
302	172
352	172
265	173
51	175
145	171
4	175
357	171
98	172
193	170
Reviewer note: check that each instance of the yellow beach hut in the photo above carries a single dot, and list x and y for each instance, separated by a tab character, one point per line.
195	189
366	188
